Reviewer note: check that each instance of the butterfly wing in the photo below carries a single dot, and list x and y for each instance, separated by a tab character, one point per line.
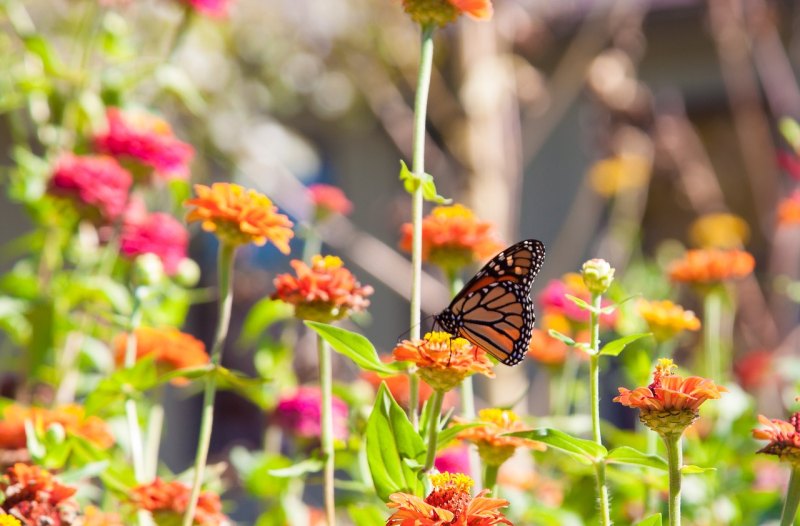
518	263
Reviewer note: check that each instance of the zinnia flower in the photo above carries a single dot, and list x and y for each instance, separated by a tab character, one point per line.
453	459
666	319
671	403
616	175
328	200
240	216
167	501
35	497
97	184
71	417
159	234
324	291
146	139
444	361
754	369
709	266
212	8
170	348
546	349
784	438
300	414
8	520
453	237
724	231
450	503
93	516
789	210
493	447
789	163
553	299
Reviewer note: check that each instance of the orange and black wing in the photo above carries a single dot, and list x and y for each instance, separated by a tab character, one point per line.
518	263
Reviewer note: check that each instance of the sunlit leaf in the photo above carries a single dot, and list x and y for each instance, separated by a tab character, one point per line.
584	451
634	457
356	347
614	347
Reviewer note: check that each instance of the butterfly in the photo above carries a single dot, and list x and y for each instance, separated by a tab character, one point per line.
493	310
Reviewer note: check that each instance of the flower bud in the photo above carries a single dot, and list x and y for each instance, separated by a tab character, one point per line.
188	273
55	433
597	275
147	270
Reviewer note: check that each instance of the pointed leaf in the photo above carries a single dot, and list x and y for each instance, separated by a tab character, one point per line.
261	316
634	457
584	451
689	469
449	434
613	348
652	520
563	338
580	303
304	467
356	347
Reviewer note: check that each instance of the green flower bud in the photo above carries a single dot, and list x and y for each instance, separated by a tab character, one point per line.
188	274
147	270
55	433
597	275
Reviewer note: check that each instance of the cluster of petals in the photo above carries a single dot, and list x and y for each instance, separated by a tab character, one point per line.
211	8
146	139
670	392
71	417
93	516
444	361
300	414
666	319
170	348
34	497
239	216
453	237
449	504
442	12
453	459
96	183
708	266
157	233
783	437
789	210
554	300
551	351
323	291
493	446
328	199
169	500
8	520
720	230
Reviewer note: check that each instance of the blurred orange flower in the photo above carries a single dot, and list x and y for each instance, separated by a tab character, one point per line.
444	361
493	447
71	417
754	369
324	291
93	516
706	266
170	348
450	503
328	200
784	438
167	501
34	496
789	210
442	12
239	216
724	231
666	319
619	174
453	237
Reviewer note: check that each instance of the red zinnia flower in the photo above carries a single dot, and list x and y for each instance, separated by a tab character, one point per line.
159	234
784	437
170	348
35	497
95	182
442	12
71	417
167	501
301	412
328	200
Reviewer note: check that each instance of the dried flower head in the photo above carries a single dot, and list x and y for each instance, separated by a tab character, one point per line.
453	237
619	174
325	291
444	361
97	184
33	495
239	216
784	438
170	348
450	503
495	448
666	319
671	403
328	200
789	210
167	501
709	266
72	418
723	231
159	234
442	12
300	414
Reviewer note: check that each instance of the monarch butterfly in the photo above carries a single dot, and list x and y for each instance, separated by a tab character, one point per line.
493	310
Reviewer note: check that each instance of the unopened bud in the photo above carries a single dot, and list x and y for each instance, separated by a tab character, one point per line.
188	274
147	270
597	275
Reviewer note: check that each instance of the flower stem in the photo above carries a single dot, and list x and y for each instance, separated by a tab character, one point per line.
326	387
490	478
433	428
225	278
675	460
712	312
155	424
792	498
418	167
134	431
594	388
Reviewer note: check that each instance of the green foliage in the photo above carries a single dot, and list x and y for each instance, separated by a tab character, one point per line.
412	181
356	347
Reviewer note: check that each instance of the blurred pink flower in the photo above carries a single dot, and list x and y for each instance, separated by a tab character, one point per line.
553	299
212	8
96	182
789	163
146	139
329	199
300	414
453	459
157	233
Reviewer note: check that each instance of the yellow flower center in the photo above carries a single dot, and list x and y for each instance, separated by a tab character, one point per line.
500	417
8	520
327	262
456	211
454	481
438	338
665	367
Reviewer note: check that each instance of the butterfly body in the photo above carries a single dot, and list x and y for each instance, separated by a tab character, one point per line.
494	310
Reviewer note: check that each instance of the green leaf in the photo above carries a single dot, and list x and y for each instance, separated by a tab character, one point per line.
411	182
366	515
40	47
304	467
790	130
261	316
652	520
90	470
449	434
611	308
689	469
561	337
613	348
584	451
580	303
634	457
391	441
356	347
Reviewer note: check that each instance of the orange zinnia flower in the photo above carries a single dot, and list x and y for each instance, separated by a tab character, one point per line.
723	231
667	319
442	12
784	438
34	496
170	348
444	361
167	501
712	266
671	403
324	291
449	504
328	200
453	237
493	447
93	516
71	417
239	216
789	210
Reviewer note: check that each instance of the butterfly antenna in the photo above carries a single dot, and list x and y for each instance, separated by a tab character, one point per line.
405	334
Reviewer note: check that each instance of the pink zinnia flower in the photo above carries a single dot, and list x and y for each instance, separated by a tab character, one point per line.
301	412
329	199
453	459
212	8
789	163
553	299
159	234
148	140
96	182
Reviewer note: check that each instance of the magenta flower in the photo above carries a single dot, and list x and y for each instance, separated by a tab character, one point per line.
96	183
212	8
453	459
553	299
159	234
300	413
147	140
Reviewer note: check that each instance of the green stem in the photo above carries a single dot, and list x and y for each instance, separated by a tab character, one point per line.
312	244
712	312
155	424
134	430
326	387
225	272
792	498
433	428
418	167
564	391
594	388
675	461
652	491
490	479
